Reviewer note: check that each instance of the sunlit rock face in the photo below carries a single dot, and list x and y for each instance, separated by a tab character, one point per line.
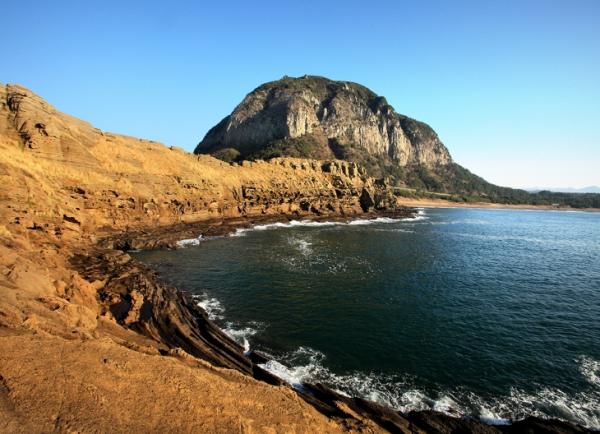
336	118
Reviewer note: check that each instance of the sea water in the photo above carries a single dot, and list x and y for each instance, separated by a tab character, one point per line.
489	313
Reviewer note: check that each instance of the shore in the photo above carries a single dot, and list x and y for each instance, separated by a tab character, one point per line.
93	341
442	203
148	337
202	339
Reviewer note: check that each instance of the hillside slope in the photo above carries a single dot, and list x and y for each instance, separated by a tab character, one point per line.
321	118
93	341
90	340
314	117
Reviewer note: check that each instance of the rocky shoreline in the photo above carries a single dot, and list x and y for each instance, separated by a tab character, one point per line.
138	299
92	340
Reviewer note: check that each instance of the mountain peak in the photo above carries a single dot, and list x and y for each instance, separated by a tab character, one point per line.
312	116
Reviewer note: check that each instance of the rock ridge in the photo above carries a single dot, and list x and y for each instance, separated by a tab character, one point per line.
91	340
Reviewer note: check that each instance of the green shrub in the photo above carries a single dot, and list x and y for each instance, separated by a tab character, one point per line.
227	154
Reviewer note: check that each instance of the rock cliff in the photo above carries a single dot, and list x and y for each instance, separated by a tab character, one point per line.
314	117
90	179
93	341
318	117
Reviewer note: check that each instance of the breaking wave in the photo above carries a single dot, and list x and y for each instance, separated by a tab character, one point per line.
590	369
301	245
306	365
311	223
189	242
214	309
242	334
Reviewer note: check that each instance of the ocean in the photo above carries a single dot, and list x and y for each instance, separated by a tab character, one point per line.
493	314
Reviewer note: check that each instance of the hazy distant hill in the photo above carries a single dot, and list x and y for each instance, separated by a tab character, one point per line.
590	189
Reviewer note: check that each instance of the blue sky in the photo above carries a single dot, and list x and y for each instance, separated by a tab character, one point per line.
511	87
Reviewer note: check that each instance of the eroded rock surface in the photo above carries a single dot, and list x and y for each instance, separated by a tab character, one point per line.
329	117
93	341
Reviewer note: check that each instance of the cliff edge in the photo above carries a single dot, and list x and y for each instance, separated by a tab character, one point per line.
93	341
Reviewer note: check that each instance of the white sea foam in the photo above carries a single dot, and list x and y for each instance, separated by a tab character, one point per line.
582	408
301	372
590	369
311	223
300	244
241	335
421	215
488	416
214	309
239	232
189	242
305	365
361	222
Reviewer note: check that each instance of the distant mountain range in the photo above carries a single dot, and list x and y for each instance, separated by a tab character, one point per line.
590	189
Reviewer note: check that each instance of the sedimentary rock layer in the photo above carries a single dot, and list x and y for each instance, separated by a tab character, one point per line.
92	341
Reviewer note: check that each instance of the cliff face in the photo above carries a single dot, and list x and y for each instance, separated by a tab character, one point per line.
72	172
91	340
330	118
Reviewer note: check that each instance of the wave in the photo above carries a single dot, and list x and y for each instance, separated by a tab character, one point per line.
311	223
306	365
241	335
363	222
590	369
214	309
189	242
302	245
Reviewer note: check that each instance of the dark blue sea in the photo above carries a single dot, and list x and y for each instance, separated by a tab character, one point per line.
488	313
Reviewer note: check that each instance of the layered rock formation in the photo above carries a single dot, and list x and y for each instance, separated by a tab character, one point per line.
92	341
330	118
92	180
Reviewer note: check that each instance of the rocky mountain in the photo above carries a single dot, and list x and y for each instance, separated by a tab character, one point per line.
320	118
91	340
314	117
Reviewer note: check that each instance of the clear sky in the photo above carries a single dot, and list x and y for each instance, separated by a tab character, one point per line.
512	87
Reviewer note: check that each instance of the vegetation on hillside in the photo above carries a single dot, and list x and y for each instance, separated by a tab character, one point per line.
454	182
307	146
451	182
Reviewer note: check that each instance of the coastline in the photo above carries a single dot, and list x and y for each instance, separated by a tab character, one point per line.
442	203
323	398
155	319
92	340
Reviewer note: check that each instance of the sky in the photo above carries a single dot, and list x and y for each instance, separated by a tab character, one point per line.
511	87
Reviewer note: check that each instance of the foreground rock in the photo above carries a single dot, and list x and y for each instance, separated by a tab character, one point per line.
93	341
